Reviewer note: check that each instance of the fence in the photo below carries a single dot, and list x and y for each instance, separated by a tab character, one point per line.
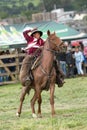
9	71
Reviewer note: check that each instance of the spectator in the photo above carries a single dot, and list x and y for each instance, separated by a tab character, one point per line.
85	54
79	58
70	63
62	61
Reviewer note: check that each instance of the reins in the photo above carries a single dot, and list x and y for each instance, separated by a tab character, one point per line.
51	50
45	73
49	75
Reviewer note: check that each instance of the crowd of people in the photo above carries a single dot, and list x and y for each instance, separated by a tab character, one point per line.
72	60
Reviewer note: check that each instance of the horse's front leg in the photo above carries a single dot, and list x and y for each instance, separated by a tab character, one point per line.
37	96
33	104
39	104
52	89
22	97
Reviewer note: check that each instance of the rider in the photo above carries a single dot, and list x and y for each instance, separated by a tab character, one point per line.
34	40
35	44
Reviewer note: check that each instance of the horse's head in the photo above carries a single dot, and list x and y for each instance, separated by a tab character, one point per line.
55	42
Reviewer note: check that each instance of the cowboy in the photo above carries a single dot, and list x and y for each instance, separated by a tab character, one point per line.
34	48
34	40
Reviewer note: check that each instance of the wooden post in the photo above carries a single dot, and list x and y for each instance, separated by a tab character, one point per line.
17	64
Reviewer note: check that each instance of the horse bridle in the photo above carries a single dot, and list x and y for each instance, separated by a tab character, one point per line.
51	50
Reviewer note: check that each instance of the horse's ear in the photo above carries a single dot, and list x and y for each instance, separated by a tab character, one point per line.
48	32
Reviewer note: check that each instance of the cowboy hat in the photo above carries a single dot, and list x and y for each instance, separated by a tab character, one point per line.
36	31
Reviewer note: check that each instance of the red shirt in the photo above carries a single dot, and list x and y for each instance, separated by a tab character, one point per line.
30	39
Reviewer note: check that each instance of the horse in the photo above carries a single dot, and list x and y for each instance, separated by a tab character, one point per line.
44	76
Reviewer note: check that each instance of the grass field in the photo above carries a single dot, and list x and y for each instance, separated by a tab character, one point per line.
70	105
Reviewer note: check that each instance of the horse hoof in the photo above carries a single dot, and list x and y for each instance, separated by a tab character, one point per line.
34	115
17	114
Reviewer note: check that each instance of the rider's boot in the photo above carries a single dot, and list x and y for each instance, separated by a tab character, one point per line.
59	75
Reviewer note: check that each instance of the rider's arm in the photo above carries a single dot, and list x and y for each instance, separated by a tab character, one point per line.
26	33
27	36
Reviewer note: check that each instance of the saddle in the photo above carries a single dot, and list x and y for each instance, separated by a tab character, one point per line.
36	63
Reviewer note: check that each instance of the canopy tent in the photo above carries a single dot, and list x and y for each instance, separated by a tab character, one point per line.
12	35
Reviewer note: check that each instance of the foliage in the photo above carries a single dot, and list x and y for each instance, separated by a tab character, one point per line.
3	15
19	7
31	6
66	4
80	5
70	105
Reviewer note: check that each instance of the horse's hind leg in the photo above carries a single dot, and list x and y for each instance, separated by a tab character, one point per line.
22	97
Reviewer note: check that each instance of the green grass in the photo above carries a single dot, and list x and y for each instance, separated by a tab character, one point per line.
70	106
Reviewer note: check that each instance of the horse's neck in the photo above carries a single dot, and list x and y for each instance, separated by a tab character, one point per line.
47	58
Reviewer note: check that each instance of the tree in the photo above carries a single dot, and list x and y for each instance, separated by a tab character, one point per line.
66	4
80	4
3	15
31	6
49	5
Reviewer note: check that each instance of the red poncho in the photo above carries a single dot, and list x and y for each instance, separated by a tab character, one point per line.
30	40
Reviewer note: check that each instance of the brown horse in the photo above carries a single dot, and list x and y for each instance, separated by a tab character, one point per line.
44	75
